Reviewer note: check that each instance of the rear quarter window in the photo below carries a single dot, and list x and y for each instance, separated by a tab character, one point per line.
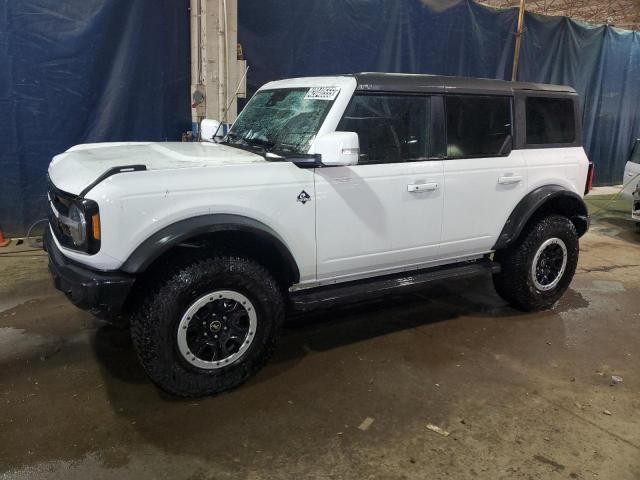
550	121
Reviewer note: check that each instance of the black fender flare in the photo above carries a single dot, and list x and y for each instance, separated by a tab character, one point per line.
183	230
536	199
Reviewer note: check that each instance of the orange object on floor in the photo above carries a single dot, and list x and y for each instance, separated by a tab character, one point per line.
4	241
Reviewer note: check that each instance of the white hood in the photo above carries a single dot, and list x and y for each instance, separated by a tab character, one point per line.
78	167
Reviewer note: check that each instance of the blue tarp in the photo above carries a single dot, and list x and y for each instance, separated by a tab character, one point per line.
603	64
287	38
77	71
74	71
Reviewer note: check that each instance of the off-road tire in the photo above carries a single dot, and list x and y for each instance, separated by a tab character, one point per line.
155	322
515	282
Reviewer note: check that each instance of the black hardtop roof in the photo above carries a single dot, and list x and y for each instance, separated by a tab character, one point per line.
409	82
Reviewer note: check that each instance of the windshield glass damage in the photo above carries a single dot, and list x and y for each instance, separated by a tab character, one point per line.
283	121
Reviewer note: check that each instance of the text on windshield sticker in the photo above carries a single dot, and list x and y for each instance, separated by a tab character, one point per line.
322	93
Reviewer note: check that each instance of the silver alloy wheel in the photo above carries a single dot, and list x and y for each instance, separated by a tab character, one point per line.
549	264
217	329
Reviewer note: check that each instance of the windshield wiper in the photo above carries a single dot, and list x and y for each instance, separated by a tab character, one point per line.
266	145
239	142
234	140
230	136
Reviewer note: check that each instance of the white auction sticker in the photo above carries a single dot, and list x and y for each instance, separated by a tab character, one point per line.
322	93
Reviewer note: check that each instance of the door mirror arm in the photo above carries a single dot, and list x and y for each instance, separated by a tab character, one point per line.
307	161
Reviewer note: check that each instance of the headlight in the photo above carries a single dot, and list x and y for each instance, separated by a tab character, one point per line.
74	221
77	226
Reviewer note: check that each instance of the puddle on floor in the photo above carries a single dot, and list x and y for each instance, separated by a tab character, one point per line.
571	300
607	286
16	342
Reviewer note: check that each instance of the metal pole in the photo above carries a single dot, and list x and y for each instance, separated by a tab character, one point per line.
516	53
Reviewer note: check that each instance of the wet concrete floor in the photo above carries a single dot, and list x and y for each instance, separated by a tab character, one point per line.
350	392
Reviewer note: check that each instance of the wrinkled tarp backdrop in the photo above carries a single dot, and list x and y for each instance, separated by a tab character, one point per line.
78	71
74	71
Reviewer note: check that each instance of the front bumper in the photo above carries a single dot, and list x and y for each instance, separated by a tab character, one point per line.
101	293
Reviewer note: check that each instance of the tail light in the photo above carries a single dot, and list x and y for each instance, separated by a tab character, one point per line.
587	187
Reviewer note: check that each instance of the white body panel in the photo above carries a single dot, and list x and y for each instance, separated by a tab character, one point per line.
368	220
362	220
480	193
75	169
567	167
631	179
135	205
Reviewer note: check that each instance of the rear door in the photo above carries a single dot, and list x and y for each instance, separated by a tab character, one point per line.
385	213
484	177
632	171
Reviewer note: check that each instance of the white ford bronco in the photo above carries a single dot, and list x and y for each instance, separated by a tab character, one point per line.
324	190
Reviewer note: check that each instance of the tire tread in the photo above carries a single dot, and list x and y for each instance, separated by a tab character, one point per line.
514	284
150	324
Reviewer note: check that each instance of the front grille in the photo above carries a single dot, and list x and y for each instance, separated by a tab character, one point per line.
61	201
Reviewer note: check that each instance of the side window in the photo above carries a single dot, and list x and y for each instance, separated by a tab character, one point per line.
391	128
550	120
478	126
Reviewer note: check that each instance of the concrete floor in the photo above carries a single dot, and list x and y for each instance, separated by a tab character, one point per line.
522	395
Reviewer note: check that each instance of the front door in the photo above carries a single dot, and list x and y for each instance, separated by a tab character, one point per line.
385	213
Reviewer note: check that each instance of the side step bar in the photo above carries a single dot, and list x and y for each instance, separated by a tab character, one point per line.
348	292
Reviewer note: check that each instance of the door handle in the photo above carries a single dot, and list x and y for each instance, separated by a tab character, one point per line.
510	180
422	187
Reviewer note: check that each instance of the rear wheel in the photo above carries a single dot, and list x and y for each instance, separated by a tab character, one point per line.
211	325
537	270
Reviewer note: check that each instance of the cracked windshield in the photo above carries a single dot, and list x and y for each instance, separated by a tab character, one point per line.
282	121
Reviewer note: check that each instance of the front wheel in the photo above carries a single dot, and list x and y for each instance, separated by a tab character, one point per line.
537	270
208	326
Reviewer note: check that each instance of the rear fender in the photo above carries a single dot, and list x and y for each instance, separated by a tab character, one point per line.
545	199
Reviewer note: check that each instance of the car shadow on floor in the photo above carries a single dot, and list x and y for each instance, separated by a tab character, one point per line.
332	328
414	335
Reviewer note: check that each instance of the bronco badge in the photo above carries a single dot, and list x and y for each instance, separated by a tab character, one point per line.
304	197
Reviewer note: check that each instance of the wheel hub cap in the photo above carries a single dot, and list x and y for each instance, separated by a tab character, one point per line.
217	329
549	264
